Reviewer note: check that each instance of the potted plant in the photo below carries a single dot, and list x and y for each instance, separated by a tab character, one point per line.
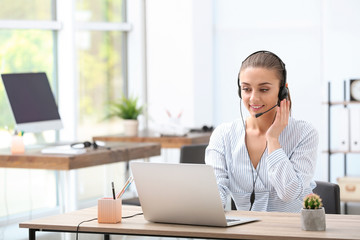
128	110
313	213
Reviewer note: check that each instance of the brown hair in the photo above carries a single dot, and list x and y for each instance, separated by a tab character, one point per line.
270	61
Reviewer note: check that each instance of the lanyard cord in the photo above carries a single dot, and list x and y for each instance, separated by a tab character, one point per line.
252	196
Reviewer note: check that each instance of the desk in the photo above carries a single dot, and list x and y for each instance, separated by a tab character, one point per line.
34	159
271	226
120	152
166	142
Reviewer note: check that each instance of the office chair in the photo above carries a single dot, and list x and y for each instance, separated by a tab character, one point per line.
330	195
193	153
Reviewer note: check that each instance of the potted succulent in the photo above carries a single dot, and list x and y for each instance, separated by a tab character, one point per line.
128	110
313	213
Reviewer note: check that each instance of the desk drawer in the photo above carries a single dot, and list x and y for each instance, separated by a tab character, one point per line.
349	189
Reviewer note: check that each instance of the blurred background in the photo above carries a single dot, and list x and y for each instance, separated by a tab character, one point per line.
177	56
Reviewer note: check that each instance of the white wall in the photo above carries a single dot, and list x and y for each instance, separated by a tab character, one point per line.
243	27
179	62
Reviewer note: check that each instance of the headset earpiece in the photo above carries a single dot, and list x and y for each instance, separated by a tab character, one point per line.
87	144
239	88
283	93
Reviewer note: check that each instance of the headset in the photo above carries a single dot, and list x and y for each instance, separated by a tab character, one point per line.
283	92
88	144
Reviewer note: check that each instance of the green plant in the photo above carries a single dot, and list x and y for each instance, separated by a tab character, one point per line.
312	201
125	108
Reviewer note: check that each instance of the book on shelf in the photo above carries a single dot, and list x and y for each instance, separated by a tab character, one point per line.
340	137
354	129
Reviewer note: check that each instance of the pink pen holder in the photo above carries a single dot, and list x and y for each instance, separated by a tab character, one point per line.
109	210
17	145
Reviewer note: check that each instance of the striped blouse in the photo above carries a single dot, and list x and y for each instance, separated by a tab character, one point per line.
283	177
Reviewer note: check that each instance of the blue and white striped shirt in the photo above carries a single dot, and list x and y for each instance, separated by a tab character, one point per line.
285	176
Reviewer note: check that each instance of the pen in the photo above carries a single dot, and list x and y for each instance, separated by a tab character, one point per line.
113	189
126	185
123	189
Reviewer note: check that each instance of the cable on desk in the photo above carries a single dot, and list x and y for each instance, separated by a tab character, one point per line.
77	228
137	214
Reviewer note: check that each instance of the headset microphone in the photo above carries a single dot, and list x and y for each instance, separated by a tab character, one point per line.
260	114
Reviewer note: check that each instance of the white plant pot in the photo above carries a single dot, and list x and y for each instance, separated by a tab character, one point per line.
313	219
130	127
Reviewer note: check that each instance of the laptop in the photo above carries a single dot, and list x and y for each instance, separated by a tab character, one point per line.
181	194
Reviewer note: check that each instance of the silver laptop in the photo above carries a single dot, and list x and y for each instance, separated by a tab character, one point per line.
180	193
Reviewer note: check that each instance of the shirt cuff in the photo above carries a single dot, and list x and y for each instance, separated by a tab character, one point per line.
275	156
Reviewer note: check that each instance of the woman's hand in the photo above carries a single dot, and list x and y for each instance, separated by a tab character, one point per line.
280	122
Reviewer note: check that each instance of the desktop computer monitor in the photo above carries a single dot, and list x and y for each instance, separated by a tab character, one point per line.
32	102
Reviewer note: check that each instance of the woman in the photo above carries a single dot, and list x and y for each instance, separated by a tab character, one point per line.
267	162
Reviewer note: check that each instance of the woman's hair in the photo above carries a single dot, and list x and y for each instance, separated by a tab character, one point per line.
268	60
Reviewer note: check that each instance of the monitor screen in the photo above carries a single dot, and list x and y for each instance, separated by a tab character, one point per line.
32	102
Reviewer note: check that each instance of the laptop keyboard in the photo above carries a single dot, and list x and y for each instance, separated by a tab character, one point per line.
232	220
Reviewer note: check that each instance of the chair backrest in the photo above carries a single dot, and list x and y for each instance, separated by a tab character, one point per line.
193	153
330	195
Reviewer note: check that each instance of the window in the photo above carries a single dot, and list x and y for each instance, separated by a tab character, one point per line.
101	80
30	41
101	53
27	10
26	45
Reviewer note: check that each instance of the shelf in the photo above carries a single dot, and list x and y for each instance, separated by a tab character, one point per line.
338	151
341	103
349	201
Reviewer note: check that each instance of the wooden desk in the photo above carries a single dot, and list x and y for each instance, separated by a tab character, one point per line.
271	226
34	159
166	141
120	152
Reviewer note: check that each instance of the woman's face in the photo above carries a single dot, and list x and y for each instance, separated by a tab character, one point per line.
259	89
